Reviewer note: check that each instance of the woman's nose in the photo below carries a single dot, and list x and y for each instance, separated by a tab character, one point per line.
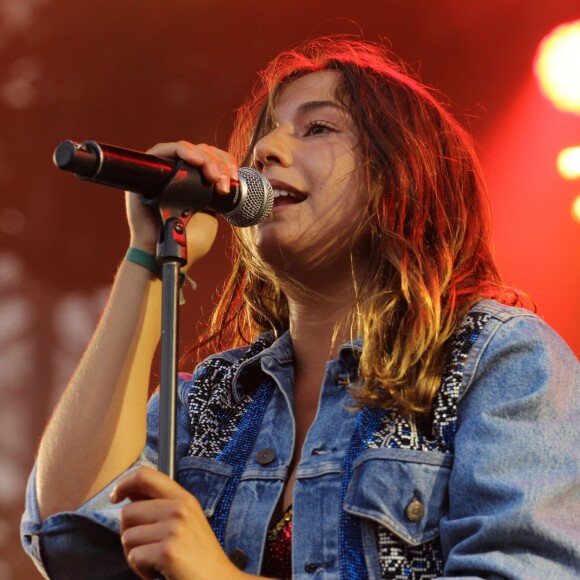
273	149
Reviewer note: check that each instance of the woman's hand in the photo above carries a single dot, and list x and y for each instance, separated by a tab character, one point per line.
164	531
217	166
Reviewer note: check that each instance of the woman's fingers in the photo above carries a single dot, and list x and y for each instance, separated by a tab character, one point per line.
147	483
223	164
216	165
149	534
164	530
144	512
155	525
150	561
154	498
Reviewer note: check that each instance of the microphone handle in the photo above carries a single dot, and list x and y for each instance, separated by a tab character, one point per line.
116	167
159	180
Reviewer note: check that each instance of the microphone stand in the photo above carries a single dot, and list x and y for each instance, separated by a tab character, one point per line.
172	253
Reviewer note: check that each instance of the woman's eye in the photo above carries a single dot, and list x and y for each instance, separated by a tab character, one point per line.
318	127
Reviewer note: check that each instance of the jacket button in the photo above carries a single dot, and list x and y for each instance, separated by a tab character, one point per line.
238	558
415	510
265	456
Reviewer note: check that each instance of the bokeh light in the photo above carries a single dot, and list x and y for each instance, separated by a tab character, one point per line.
569	163
576	209
557	66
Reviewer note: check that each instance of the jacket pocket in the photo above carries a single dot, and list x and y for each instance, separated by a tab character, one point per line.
403	490
205	478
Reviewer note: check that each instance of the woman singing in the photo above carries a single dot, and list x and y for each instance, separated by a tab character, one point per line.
376	403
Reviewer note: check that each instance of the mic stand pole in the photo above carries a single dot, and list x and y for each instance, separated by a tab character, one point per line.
172	253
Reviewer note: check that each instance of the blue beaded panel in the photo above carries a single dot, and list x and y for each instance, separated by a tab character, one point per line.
385	428
223	428
237	452
352	562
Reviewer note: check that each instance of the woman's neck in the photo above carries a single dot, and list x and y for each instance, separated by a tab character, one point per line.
318	327
319	304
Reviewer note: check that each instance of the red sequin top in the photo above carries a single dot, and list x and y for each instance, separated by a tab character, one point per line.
278	550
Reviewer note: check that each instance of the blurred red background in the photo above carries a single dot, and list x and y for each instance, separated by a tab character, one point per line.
134	73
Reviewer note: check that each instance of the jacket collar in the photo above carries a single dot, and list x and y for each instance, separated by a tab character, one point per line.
280	349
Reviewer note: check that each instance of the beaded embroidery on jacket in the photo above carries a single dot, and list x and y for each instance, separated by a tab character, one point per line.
218	426
377	428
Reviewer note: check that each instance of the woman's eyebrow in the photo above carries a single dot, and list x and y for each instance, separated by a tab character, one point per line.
309	106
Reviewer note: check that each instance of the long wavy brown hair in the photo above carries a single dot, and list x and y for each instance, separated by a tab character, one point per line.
429	221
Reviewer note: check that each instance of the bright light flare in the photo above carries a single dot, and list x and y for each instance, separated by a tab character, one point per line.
557	66
569	163
576	209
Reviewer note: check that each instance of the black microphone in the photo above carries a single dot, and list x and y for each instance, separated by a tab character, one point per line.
167	183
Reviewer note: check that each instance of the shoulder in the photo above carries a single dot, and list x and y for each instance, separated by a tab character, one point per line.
516	460
514	345
516	322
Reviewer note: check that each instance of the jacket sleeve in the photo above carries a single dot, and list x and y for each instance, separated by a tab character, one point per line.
85	543
514	486
76	544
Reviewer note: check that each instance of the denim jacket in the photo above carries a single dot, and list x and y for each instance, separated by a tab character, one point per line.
488	489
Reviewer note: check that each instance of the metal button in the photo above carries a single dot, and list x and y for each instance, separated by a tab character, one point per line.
265	456
415	510
316	566
238	558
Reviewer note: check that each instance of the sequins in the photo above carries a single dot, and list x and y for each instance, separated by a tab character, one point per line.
214	415
274	531
278	551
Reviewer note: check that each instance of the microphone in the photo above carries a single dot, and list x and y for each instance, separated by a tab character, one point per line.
167	182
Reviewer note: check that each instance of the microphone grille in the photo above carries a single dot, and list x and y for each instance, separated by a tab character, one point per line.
257	199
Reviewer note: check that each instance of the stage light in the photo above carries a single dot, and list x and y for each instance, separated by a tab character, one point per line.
557	66
576	209
569	163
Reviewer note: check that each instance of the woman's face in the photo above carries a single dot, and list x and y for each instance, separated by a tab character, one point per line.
310	158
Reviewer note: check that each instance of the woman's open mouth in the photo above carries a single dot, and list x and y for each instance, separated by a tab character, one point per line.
285	197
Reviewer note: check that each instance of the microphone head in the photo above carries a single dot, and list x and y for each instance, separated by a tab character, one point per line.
256	199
